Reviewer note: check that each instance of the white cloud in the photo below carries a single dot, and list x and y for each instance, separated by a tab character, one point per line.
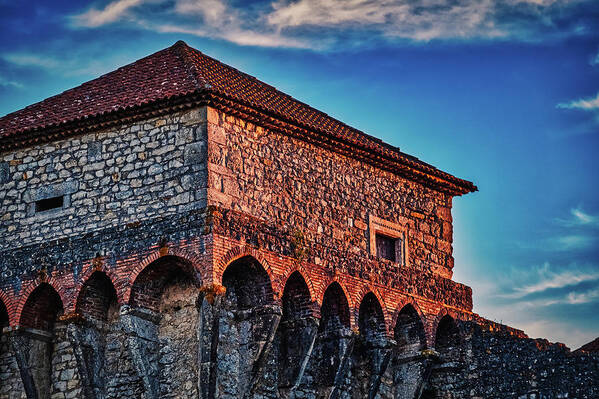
585	104
204	18
237	36
26	59
577	298
111	13
74	66
579	218
10	83
584	218
417	20
571	298
550	280
595	59
571	242
324	23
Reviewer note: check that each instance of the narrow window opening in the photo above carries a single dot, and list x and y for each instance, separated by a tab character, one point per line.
386	247
388	240
49	204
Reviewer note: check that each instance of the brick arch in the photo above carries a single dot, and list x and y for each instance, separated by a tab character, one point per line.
370	289
326	283
186	256
30	286
305	275
377	330
80	300
8	305
413	331
89	271
237	253
262	289
402	304
303	309
435	325
351	320
30	289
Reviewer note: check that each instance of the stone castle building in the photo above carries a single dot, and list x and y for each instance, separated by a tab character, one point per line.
179	229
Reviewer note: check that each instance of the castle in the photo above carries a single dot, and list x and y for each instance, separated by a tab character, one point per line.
179	229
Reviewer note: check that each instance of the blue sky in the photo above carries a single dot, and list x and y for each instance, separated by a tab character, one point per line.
503	93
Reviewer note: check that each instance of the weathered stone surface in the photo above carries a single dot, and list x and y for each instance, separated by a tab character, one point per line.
197	255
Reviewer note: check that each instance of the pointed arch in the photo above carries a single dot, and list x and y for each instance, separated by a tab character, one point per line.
191	261
241	252
97	297
247	283
42	308
447	335
298	268
325	283
435	324
335	308
111	273
409	332
296	299
31	285
150	283
371	320
370	289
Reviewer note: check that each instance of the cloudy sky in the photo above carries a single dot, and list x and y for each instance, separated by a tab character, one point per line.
501	92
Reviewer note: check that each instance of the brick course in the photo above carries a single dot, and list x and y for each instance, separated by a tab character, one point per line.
209	248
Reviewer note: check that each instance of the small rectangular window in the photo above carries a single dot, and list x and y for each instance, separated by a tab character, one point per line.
49	204
388	240
385	247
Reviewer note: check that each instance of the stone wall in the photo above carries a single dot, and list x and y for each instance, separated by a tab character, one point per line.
477	363
11	386
327	197
197	255
107	178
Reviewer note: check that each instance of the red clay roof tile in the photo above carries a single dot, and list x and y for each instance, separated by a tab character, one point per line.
178	71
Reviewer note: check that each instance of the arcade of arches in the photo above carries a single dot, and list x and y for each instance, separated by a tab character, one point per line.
173	338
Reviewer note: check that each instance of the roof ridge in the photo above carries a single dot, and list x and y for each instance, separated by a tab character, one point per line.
183	50
181	72
261	82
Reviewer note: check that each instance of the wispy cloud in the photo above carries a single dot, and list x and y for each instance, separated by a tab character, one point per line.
326	23
571	242
576	233
547	279
579	218
10	83
576	298
585	104
570	298
114	11
210	18
26	59
528	297
566	242
73	66
418	20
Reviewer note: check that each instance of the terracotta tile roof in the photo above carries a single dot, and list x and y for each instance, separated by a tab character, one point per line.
178	72
592	346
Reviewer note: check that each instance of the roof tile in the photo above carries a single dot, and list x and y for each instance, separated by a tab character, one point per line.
178	71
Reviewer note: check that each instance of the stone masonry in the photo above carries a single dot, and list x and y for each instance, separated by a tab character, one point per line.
178	229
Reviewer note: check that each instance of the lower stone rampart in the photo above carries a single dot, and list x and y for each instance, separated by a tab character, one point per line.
475	362
218	305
